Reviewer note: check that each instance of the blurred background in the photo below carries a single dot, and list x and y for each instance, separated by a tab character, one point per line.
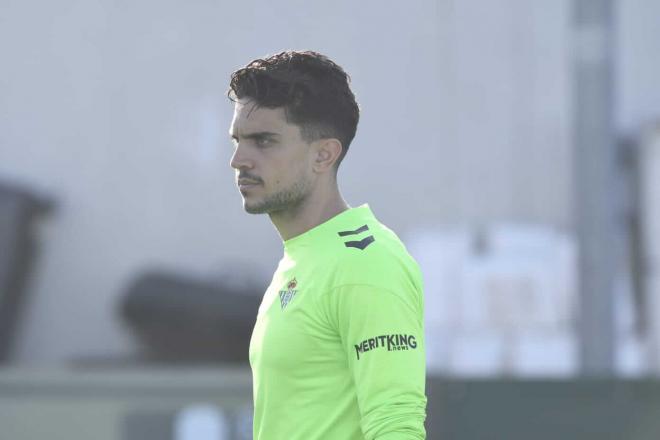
514	145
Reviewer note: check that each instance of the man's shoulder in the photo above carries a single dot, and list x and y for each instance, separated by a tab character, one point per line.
367	239
370	253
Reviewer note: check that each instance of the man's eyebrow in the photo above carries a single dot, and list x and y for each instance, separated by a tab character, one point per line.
256	135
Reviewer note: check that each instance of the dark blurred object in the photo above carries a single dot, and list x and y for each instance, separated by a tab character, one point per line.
632	212
19	211
180	319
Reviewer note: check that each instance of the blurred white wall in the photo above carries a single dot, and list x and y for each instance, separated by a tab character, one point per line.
638	68
117	109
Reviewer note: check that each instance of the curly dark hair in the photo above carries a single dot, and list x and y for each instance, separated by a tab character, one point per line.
313	90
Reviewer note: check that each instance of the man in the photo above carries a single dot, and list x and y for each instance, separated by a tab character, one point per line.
337	351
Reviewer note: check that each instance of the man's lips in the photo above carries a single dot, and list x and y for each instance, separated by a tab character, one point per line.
246	184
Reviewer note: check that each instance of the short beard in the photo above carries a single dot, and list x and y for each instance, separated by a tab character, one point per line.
288	199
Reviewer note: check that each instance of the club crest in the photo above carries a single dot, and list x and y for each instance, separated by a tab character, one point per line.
286	296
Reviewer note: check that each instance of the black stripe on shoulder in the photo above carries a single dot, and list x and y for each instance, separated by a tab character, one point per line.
360	244
357	231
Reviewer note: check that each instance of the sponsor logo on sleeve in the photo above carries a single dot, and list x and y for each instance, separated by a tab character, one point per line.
395	342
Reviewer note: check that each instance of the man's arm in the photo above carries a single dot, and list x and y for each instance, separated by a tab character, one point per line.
382	332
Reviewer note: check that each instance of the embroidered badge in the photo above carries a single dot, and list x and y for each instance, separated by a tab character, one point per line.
286	296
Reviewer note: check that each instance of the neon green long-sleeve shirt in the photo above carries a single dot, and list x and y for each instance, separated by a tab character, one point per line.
337	351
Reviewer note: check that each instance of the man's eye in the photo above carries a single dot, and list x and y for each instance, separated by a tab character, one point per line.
263	142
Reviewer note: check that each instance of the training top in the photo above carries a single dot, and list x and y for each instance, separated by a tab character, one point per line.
337	350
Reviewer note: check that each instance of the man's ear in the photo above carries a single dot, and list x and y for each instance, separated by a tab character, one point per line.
327	151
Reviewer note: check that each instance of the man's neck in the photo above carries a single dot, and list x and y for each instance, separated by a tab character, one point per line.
309	214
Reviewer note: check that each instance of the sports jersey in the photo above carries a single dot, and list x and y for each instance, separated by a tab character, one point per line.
337	350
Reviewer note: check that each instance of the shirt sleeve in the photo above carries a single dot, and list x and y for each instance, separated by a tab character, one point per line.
382	333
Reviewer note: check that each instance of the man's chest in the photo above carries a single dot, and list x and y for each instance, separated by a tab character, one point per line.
290	330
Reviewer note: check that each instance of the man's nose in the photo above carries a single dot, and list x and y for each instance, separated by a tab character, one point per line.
239	160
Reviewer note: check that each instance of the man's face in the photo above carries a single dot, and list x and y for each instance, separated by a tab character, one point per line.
271	159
